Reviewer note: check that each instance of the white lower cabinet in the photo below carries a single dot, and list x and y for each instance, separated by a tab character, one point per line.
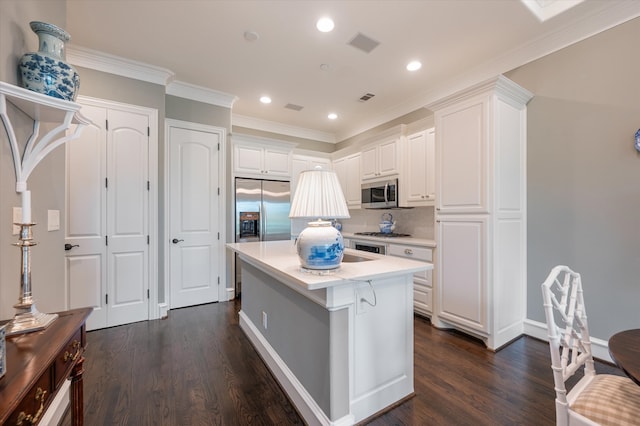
462	297
422	281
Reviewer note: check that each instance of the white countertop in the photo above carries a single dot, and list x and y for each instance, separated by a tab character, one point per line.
279	258
422	242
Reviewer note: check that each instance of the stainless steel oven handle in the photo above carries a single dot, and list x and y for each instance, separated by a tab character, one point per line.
386	188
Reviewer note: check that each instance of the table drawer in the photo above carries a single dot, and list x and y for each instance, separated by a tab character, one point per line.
67	357
33	406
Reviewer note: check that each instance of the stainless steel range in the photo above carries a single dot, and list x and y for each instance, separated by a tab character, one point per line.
382	234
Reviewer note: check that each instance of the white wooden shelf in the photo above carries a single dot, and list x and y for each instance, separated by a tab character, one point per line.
42	109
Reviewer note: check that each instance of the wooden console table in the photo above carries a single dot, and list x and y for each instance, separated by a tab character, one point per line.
38	363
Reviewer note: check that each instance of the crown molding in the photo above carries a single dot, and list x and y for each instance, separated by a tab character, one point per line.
283	129
201	94
100	61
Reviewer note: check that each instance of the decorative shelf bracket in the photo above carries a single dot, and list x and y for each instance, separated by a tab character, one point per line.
41	109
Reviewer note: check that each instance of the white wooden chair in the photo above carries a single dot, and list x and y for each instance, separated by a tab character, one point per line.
596	399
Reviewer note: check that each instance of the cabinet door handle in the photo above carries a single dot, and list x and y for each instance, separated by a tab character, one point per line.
176	241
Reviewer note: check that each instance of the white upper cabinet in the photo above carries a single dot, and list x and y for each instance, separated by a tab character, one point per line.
262	159
300	163
381	159
462	157
348	171
417	186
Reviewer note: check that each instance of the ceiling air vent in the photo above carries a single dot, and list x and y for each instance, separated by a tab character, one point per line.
294	107
365	98
364	43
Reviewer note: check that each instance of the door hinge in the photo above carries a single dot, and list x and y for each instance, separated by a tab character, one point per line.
147	240
148	185
218	280
148	294
218	146
218	235
218	191
106	182
106	299
148	131
106	124
106	240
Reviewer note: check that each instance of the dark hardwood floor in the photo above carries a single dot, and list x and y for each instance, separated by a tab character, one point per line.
198	368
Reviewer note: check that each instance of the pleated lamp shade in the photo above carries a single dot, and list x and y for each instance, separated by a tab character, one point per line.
319	196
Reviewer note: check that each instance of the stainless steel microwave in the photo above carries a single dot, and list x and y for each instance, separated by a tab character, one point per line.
380	195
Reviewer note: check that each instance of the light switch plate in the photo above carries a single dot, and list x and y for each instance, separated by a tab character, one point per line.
17	218
53	220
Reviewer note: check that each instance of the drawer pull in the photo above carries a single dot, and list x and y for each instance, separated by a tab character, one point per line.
68	357
408	251
33	419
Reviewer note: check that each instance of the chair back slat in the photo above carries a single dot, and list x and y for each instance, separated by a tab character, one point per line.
567	327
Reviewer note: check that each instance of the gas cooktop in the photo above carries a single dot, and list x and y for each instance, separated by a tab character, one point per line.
382	234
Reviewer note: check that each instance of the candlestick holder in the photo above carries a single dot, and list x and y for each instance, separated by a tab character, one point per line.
27	318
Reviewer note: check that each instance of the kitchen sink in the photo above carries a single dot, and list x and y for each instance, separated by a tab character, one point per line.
352	258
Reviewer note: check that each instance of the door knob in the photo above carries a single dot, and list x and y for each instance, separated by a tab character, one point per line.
68	246
176	241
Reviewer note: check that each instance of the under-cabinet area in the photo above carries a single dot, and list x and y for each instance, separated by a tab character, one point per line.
409	248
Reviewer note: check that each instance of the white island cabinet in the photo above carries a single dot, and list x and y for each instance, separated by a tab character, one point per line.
340	344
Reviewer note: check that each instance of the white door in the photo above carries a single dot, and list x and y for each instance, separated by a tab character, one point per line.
127	221
107	216
194	216
86	218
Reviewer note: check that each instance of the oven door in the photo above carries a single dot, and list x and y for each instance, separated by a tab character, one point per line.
369	247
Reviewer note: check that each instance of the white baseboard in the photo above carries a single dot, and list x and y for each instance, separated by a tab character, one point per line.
163	310
599	347
304	403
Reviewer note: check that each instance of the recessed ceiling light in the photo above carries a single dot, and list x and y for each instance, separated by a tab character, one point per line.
325	25
414	66
332	116
265	99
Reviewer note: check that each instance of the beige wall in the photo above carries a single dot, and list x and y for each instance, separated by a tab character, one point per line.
47	181
584	173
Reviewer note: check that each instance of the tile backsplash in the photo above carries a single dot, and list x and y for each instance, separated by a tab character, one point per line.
418	221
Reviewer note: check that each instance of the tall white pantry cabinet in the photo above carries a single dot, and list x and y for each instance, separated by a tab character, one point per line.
481	227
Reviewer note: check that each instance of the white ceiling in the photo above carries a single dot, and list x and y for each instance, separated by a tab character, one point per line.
459	42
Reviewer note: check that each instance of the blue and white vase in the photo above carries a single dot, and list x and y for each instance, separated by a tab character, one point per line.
320	246
46	70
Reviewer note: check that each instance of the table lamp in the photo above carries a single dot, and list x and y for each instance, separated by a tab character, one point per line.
319	196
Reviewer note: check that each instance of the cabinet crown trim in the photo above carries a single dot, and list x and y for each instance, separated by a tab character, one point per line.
500	84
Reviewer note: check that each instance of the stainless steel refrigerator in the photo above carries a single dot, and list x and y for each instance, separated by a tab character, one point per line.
262	213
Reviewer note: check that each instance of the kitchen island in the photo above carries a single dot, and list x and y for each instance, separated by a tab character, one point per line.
339	343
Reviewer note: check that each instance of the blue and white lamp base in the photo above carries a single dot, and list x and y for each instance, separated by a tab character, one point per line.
320	246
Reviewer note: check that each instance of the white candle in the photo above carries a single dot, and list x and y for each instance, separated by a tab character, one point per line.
26	206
